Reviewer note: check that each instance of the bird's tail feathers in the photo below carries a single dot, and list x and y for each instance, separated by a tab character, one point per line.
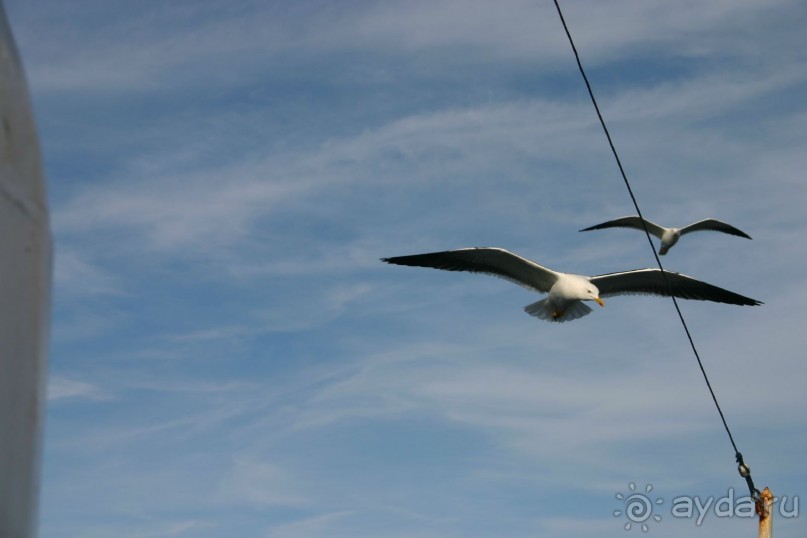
543	310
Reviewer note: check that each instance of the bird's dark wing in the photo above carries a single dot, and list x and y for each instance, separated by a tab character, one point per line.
632	221
491	261
714	225
651	281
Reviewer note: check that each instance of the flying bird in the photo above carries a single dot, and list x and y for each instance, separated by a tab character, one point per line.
568	291
669	236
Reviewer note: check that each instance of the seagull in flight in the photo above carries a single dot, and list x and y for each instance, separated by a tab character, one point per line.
568	291
669	236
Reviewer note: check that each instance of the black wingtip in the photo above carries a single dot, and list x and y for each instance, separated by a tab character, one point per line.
739	233
750	302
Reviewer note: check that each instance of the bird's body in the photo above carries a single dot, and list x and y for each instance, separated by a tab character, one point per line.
669	236
564	301
566	291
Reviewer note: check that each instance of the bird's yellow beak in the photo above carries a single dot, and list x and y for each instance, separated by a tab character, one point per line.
599	301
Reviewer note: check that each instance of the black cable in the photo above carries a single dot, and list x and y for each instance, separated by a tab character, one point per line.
744	470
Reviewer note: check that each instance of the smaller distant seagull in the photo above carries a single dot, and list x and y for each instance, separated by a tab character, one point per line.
567	291
669	236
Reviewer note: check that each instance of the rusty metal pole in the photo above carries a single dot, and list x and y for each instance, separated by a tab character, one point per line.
764	507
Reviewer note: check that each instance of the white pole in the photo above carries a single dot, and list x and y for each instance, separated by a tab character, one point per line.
25	271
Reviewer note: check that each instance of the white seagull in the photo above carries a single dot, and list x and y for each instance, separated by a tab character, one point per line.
669	236
566	290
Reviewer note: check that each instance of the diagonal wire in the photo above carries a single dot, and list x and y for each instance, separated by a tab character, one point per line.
744	470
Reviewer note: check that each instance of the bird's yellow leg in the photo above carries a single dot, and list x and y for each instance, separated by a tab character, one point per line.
556	314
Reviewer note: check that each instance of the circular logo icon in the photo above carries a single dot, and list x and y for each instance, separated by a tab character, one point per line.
638	507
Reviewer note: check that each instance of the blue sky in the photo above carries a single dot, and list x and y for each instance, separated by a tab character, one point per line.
230	358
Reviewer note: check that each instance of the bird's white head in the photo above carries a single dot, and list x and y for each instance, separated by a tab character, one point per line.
565	300
571	287
593	294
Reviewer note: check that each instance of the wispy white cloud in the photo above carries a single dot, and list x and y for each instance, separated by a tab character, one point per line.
260	483
161	46
220	209
154	528
86	323
60	388
75	276
311	526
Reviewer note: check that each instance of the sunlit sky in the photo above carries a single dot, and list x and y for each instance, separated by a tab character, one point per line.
229	357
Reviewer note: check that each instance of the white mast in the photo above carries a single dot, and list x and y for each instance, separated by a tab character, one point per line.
25	279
